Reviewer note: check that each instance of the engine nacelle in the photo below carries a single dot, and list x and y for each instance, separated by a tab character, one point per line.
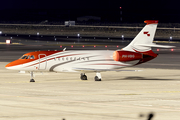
125	56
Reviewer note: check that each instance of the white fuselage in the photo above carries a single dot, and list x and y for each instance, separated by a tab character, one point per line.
67	61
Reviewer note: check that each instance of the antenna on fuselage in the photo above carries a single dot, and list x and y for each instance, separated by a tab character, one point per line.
64	49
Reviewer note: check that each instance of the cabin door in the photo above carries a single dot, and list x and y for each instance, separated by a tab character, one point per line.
42	61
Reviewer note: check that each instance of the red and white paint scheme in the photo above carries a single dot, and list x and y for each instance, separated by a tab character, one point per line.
137	52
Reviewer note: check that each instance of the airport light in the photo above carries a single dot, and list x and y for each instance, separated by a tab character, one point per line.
122	37
0	32
8	42
55	39
37	33
170	38
78	35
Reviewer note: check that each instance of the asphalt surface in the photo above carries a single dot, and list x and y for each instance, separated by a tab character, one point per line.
153	92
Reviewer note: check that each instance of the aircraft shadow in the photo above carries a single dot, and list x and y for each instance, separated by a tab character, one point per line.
142	78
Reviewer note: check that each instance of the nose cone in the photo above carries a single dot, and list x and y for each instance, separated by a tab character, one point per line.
9	65
12	65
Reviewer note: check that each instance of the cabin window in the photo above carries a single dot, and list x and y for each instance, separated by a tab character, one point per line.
32	57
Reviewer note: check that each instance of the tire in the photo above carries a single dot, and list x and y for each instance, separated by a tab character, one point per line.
96	78
83	77
32	80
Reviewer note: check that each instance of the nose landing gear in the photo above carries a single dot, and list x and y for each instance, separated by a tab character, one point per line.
32	77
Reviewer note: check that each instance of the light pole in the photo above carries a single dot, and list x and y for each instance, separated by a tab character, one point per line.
120	13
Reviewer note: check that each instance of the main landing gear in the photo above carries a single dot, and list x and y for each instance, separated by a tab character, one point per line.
83	76
96	78
32	77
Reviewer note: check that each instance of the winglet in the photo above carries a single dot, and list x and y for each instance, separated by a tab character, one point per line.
151	22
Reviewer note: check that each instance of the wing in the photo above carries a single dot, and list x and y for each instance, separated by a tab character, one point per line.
101	70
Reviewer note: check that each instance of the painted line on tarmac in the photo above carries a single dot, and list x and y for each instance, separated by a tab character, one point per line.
20	82
158	92
11	43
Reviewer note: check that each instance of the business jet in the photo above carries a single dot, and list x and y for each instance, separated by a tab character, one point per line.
83	61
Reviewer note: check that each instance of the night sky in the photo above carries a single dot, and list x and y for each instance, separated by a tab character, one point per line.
133	10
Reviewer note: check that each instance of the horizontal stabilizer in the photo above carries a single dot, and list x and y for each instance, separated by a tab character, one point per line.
155	45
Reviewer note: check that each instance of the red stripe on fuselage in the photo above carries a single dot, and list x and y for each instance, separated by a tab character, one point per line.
51	59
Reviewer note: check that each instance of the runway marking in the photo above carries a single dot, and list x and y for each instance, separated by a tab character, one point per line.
130	94
165	92
47	81
143	105
20	82
11	43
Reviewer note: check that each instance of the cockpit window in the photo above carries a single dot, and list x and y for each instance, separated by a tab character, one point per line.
27	57
23	57
32	57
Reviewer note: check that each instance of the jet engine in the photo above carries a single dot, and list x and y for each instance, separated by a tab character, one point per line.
125	56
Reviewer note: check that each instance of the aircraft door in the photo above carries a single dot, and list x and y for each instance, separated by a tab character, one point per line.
42	61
